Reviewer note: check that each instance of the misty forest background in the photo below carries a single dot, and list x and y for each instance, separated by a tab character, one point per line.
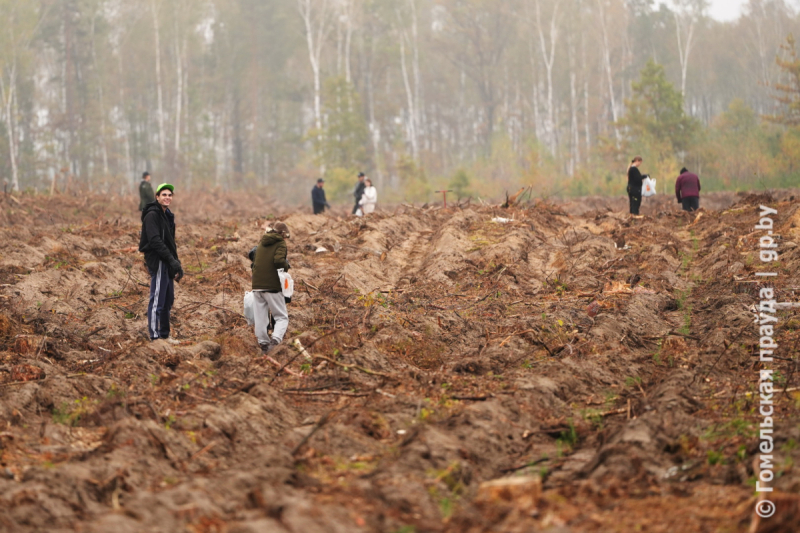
479	96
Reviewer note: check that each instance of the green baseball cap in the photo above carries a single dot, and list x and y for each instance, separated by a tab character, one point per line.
164	186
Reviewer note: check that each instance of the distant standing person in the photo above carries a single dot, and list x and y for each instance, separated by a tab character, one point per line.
146	194
687	189
359	191
161	257
635	185
369	198
267	294
318	200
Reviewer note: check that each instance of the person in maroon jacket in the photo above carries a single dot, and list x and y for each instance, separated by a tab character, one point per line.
687	190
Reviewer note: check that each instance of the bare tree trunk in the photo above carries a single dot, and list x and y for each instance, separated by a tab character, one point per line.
537	119
8	104
548	56
179	52
103	144
586	116
374	128
159	85
339	47
575	155
462	101
684	48
65	96
127	128
316	28
411	123
419	109
607	66
348	7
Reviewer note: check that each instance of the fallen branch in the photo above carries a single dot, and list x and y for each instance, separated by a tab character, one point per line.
677	334
304	282
520	467
620	411
41	380
203	450
282	368
200	304
322	421
94	331
516	333
742	330
299	346
359	368
326	392
473	398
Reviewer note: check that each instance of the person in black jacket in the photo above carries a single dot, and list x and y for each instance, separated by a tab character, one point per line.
146	194
161	257
358	192
318	200
635	179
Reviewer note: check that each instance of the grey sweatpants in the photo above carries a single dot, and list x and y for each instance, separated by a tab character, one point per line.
265	303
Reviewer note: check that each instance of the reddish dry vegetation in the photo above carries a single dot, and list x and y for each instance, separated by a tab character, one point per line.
570	370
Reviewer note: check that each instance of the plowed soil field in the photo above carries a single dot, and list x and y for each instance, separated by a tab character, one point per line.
559	367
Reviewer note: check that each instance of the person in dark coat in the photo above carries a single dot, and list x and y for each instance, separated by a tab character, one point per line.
146	194
318	200
358	192
635	179
687	190
267	294
157	242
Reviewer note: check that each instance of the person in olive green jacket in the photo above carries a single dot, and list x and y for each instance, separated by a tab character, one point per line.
146	194
267	295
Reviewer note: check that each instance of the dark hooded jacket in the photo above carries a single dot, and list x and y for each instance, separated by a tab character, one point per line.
358	192
146	194
158	238
270	256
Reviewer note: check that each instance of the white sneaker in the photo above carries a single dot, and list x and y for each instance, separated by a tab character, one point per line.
172	341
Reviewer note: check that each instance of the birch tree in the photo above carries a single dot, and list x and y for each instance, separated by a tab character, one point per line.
602	8
316	15
162	138
688	14
409	37
548	33
15	39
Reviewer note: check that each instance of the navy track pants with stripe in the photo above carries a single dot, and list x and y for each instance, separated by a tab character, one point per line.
162	295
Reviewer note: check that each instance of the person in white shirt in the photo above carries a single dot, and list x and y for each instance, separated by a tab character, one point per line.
369	198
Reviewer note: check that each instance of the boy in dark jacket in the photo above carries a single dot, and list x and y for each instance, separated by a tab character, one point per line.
358	192
267	294
318	200
161	257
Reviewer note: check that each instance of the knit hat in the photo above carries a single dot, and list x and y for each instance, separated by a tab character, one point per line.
283	229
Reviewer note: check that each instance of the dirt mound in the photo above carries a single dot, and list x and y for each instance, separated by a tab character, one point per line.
437	360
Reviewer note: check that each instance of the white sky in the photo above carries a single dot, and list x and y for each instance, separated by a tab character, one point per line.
726	10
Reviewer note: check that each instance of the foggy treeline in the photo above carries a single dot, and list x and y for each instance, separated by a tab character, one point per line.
475	94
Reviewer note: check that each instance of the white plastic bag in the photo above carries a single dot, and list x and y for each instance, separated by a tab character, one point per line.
249	314
648	186
287	283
